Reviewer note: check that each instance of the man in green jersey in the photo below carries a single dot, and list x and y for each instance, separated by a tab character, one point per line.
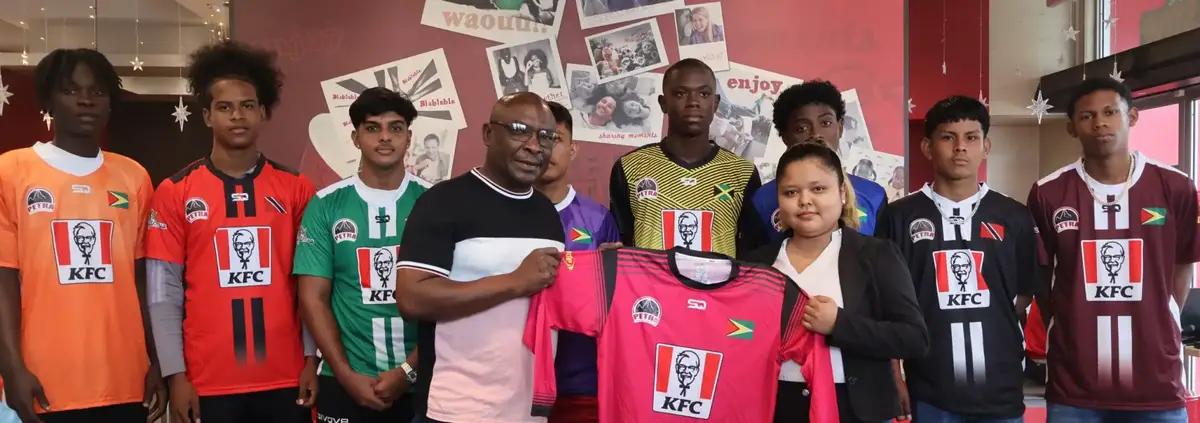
346	261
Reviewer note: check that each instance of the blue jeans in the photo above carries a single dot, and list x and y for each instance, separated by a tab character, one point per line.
1058	413
924	412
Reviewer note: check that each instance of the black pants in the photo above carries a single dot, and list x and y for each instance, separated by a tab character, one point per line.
278	405
334	404
131	412
794	400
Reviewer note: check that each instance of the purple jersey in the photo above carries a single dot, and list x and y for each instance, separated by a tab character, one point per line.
1114	340
587	225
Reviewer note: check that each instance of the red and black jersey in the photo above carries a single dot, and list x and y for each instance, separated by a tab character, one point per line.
235	237
1114	340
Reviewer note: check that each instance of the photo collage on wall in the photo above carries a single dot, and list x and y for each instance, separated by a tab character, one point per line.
613	96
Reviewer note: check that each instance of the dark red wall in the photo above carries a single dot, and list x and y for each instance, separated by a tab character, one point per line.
21	125
806	39
965	32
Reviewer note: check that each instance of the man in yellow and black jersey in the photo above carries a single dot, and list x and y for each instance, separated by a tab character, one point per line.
686	191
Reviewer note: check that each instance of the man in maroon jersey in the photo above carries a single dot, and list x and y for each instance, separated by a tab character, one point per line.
1119	230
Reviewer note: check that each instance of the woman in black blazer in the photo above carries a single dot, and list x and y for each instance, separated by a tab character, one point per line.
860	293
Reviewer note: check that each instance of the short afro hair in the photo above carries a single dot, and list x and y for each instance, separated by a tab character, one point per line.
377	101
1092	85
230	59
812	92
562	116
956	109
687	64
57	67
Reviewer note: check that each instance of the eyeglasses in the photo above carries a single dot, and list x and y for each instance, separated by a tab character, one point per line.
522	132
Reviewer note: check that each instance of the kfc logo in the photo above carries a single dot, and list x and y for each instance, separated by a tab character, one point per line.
1112	269
376	274
691	229
685	380
243	256
960	283
83	250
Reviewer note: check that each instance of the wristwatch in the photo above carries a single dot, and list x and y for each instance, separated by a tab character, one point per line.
409	372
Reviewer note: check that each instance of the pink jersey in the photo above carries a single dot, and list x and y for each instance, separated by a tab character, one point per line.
681	336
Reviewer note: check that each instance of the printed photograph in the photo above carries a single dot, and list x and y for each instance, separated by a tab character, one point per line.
885	169
594	13
620	112
701	32
430	153
502	21
766	169
743	120
855	136
627	51
532	66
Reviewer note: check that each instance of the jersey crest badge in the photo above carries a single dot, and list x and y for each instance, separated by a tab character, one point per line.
647	189
83	251
775	222
921	230
1154	216
39	200
243	256
376	273
344	230
302	237
118	199
1112	269
194	209
959	278
1066	219
691	229
685	380
647	310
152	221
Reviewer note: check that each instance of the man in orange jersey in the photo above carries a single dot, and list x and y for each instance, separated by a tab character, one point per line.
220	241
72	277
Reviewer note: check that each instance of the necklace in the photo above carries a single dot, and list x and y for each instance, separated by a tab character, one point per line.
957	220
1124	186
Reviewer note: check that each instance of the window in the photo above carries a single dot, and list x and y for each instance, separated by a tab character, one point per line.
1156	134
1141	22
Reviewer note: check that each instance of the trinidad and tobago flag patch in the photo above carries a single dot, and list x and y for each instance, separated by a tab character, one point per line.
994	231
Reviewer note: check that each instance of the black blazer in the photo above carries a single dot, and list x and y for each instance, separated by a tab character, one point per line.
879	320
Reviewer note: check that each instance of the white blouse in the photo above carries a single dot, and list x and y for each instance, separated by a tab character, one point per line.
820	278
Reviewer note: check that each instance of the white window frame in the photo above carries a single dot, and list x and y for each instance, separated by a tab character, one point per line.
1103	32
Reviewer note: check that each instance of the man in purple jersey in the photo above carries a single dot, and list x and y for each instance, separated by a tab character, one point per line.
588	226
1119	230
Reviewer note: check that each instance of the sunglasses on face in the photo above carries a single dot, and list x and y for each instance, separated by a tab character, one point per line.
522	132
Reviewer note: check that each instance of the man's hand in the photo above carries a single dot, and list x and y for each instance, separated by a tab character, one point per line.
362	389
185	404
902	390
820	314
390	385
155	396
308	383
610	245
537	271
20	392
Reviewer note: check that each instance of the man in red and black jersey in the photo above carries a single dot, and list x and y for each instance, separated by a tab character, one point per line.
220	246
1120	231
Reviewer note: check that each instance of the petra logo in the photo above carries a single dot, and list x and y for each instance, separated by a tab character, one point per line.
377	274
960	282
39	200
921	230
1066	219
691	229
194	209
685	380
243	256
1112	269
83	250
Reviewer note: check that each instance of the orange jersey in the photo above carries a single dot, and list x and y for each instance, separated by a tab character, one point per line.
74	240
235	238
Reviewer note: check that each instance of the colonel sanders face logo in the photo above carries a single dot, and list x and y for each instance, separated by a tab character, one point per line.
384	263
1112	254
960	265
687	367
85	240
243	246
688	227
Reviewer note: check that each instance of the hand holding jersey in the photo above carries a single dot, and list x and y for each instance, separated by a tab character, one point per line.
536	272
820	313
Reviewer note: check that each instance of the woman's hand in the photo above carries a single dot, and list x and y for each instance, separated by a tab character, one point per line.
820	314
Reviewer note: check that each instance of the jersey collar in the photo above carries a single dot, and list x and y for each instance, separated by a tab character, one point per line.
566	201
673	261
253	173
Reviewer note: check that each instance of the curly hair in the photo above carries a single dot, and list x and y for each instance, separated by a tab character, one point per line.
230	59
812	92
1092	85
56	68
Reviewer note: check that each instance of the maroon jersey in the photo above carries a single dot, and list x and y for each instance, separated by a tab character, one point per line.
1114	269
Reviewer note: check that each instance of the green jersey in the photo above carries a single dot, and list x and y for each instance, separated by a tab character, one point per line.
351	236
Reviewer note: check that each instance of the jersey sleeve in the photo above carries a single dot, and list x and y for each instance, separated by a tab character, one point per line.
428	241
165	235
1043	228
1184	200
765	203
751	233
1027	255
314	242
809	350
11	253
145	195
305	191
576	302
608	230
618	199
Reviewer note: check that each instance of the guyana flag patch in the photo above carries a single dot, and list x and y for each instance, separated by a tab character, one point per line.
1154	216
861	214
118	199
740	329
581	236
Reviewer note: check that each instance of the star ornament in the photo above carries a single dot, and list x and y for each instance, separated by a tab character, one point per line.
181	114
137	63
47	118
983	100
4	95
911	106
1116	74
1040	107
1071	34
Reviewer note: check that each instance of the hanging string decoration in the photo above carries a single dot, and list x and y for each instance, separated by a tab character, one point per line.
982	98
137	38
181	111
